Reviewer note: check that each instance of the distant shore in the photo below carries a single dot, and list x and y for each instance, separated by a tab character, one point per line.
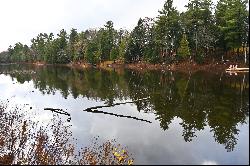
185	66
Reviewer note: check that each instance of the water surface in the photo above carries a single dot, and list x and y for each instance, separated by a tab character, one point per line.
163	117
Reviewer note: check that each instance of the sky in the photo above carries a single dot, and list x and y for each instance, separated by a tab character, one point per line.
21	20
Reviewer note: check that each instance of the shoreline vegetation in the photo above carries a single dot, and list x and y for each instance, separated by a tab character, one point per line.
24	142
185	67
204	37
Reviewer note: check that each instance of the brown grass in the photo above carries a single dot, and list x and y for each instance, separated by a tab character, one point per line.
22	141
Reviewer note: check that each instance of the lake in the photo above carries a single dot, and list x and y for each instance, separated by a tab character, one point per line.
162	117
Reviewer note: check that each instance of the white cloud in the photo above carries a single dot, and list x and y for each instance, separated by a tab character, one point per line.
23	20
209	163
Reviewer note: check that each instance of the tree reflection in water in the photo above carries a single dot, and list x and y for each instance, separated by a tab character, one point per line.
219	101
23	141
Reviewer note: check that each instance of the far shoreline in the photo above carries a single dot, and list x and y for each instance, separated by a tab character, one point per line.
185	66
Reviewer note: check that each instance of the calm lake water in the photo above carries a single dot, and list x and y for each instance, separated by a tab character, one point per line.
163	118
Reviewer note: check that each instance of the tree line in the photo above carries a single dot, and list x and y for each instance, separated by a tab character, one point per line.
202	31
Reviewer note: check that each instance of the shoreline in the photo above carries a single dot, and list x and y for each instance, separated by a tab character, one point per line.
186	67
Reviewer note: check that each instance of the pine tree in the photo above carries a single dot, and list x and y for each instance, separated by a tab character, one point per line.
232	22
168	28
183	51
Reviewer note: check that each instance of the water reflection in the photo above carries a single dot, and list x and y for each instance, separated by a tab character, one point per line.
117	115
25	142
94	110
199	100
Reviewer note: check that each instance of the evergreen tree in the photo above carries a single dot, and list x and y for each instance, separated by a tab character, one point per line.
232	22
136	43
122	48
168	29
183	51
72	50
106	39
114	53
200	28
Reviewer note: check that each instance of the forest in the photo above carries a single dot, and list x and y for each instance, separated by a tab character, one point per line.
204	31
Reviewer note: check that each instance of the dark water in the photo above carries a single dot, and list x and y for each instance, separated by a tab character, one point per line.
163	118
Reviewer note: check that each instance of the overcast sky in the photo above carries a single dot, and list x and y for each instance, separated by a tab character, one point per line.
21	20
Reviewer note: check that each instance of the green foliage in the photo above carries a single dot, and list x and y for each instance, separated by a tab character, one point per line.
183	51
92	52
4	57
122	48
168	28
142	43
152	48
72	46
41	46
114	53
106	36
232	22
19	53
152	40
200	27
123	39
136	43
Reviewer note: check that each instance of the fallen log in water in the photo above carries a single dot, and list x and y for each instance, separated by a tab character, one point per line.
112	105
94	110
59	111
117	115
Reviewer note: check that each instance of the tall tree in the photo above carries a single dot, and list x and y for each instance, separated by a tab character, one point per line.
136	43
232	22
72	46
151	47
123	38
200	27
106	40
59	48
168	29
38	46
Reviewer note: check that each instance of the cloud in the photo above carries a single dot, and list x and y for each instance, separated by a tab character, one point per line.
209	163
23	20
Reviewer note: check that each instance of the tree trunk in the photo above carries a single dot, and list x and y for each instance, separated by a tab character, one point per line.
238	53
245	53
